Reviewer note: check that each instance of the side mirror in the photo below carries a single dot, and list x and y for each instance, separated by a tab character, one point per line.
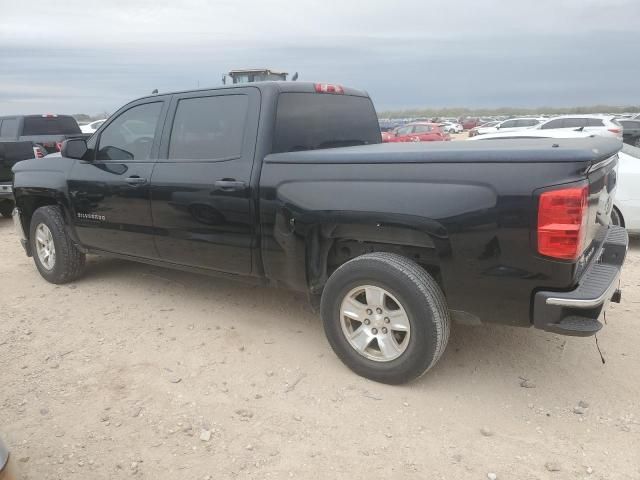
74	148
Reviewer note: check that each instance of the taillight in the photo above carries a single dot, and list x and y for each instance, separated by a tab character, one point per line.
58	146
615	130
329	88
562	217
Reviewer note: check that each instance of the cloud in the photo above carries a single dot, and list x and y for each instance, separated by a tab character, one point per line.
94	56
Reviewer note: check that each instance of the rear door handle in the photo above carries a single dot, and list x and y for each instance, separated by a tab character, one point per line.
135	180
229	185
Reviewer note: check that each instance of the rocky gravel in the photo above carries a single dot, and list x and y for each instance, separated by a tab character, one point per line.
140	372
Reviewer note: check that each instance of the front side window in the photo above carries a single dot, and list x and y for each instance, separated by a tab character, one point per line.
508	124
422	129
209	128
401	132
130	136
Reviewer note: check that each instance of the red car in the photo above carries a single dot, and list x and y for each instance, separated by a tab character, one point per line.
469	123
417	132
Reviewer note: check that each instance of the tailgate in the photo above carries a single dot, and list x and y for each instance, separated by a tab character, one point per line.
49	142
603	179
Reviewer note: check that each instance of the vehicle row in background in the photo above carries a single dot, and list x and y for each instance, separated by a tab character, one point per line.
92	127
416	132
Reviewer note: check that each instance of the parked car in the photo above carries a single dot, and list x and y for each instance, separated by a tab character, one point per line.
510	125
91	127
417	132
469	123
7	471
10	154
46	130
452	127
602	125
630	131
533	133
626	211
482	129
287	184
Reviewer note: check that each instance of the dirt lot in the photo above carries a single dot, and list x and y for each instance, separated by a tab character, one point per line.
137	371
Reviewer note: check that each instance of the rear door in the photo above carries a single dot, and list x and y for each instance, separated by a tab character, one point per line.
110	190
201	191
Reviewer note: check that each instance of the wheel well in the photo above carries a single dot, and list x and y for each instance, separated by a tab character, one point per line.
334	252
619	213
28	205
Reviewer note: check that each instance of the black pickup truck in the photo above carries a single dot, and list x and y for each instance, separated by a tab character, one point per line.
47	131
288	184
10	154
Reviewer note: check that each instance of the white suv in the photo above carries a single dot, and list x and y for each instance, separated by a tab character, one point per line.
510	125
603	125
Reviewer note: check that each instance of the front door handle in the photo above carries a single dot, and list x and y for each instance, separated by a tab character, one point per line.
229	185
135	180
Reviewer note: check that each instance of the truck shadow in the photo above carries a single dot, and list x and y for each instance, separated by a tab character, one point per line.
472	354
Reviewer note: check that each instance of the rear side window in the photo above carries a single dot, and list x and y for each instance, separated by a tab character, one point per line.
9	128
312	121
60	125
509	124
575	122
422	129
595	122
209	128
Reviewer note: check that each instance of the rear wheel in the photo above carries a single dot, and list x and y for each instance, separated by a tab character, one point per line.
385	317
57	258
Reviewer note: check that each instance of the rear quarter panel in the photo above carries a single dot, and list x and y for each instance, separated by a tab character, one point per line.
478	217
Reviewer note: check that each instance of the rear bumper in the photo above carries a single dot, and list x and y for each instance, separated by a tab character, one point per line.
577	312
6	191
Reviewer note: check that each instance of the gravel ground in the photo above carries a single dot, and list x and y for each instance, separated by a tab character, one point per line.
138	371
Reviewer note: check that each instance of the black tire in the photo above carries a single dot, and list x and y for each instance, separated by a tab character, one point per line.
419	295
69	261
6	209
616	218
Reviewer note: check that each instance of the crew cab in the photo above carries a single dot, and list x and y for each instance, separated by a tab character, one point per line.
288	184
48	130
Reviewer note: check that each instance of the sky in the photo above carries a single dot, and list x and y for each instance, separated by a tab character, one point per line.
91	56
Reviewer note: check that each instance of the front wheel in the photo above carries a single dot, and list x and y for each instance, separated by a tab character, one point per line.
385	317
57	258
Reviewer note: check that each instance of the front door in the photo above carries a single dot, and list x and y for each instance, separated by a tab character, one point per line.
110	190
201	185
